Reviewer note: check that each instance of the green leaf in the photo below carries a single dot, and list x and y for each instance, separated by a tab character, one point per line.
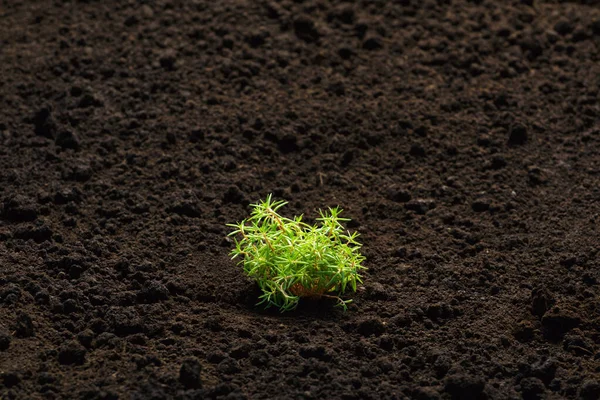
282	253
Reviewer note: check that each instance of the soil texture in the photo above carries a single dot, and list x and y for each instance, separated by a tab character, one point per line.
461	137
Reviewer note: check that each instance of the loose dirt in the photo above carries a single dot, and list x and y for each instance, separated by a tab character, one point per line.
461	137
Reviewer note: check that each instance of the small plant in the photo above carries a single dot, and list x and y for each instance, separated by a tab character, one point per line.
290	259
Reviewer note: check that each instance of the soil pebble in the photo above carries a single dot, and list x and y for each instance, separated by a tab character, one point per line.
24	326
72	353
5	340
318	352
463	387
44	123
371	327
305	29
189	373
532	388
590	390
518	135
420	206
480	205
541	301
18	208
154	292
558	321
67	140
10	379
576	343
373	43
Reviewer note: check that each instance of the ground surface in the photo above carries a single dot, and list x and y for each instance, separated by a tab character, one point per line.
461	137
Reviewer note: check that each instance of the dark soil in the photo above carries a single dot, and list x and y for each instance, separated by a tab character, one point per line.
461	137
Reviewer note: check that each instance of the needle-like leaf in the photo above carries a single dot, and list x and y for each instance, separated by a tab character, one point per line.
290	259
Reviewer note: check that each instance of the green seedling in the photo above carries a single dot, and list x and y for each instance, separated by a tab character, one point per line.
290	259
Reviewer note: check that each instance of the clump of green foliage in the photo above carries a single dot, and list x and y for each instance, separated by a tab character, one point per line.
290	259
